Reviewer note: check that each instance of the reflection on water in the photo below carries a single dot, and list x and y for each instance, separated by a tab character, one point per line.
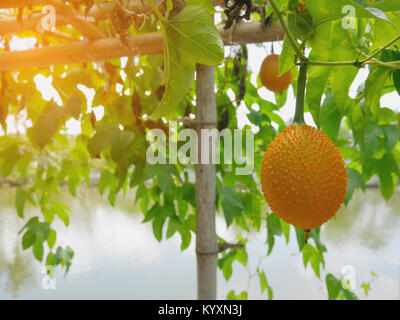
373	223
116	256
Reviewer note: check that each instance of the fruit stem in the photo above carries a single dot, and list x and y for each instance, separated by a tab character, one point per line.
307	236
301	88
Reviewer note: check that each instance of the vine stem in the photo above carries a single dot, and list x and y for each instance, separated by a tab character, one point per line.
359	64
156	10
301	88
304	61
380	50
288	33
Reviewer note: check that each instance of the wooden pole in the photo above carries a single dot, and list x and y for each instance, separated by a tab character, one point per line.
206	238
80	51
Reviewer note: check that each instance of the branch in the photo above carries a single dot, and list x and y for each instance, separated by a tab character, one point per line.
251	32
225	246
332	63
355	63
380	50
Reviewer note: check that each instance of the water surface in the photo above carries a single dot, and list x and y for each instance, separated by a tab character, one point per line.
117	257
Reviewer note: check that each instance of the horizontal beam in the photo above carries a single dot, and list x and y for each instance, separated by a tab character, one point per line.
80	51
145	44
131	5
7	4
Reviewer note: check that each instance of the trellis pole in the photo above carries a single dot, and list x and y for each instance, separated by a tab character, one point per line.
206	237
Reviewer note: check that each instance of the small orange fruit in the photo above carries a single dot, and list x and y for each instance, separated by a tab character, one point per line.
269	75
303	177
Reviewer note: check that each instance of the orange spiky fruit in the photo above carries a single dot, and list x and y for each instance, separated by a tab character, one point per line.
303	177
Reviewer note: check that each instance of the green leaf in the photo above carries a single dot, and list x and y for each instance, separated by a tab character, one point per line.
392	136
204	3
315	235
159	220
190	37
373	88
301	23
281	98
173	226
301	238
354	179
396	79
386	183
61	210
102	138
23	163
110	181
317	79
264	284
20	198
28	239
165	182
36	232
286	61
263	281
311	255
53	117
225	263
64	257
366	287
274	224
151	213
341	80
73	172
286	230
270	242
330	117
73	106
241	296
51	238
333	285
50	259
230	203
348	295
186	238
38	249
385	32
158	223
373	134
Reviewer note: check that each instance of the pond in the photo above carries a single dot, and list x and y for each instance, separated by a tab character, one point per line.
117	256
